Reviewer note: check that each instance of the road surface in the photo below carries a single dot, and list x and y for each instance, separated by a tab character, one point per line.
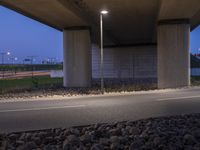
34	115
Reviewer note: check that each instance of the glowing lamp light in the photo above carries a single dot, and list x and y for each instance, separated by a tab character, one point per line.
104	12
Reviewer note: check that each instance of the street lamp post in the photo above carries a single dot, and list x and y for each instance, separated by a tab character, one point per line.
103	12
32	59
2	56
198	51
13	59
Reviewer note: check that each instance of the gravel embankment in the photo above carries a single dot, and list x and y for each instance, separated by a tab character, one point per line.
60	91
164	133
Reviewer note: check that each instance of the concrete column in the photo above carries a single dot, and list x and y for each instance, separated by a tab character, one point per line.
77	58
173	54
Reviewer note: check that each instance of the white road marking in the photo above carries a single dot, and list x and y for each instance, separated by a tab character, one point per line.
178	98
37	109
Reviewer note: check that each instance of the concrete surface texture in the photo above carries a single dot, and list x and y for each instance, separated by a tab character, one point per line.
34	114
123	63
173	55
77	58
137	62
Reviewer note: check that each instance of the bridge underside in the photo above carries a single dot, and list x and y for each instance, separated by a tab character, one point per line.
165	23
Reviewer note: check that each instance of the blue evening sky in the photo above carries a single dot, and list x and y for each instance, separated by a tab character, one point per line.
24	37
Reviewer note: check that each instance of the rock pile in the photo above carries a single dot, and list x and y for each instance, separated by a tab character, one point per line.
164	133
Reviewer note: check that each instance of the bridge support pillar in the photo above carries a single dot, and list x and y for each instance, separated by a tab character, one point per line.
77	58
173	54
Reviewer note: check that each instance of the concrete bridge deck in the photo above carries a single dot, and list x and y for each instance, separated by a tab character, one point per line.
129	21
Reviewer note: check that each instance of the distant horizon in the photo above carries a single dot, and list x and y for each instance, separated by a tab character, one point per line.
32	38
28	38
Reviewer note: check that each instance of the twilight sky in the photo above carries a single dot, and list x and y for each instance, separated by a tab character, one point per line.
25	37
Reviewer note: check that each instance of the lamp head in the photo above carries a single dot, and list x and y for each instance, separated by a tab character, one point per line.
104	12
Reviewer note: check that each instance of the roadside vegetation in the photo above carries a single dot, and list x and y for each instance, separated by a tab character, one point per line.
31	83
195	62
29	67
195	81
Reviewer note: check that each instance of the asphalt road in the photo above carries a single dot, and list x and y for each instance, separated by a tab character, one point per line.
34	115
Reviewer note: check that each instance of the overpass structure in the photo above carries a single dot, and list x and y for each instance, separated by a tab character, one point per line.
157	27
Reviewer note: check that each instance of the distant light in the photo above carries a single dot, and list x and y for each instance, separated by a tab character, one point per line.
16	58
8	53
104	12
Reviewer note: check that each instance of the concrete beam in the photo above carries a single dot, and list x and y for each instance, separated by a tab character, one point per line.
173	55
84	13
77	58
195	21
173	9
50	12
